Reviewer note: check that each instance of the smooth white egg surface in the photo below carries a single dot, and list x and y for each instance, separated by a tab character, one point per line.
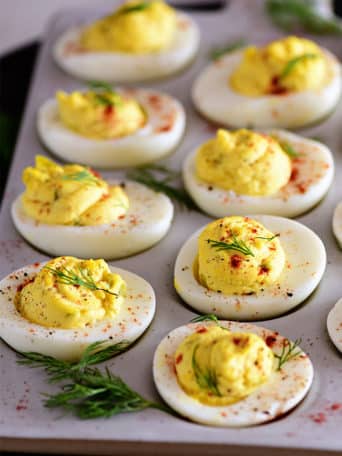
216	100
334	324
283	391
146	222
337	223
119	66
304	268
134	317
160	135
312	175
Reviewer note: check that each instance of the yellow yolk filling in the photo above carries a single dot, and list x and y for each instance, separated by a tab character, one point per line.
219	367
70	195
291	64
238	255
100	115
70	293
243	161
137	27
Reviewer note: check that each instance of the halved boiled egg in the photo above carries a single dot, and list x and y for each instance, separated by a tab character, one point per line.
139	41
334	324
249	269
337	223
111	129
289	83
243	171
60	307
230	375
70	211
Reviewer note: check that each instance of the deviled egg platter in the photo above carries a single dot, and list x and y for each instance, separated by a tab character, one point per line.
231	374
60	307
108	128
249	269
290	83
246	172
334	325
141	40
70	210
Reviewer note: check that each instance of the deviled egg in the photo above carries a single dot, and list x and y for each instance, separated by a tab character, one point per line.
60	307
141	40
334	324
243	171
231	374
249	269
111	129
70	210
289	83
337	223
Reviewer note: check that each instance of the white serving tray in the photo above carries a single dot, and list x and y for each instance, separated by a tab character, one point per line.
36	428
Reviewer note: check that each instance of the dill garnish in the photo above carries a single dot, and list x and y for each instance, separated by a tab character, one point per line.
292	14
90	392
105	94
293	62
206	317
238	245
135	8
288	352
206	380
145	175
288	149
218	52
268	238
84	279
81	176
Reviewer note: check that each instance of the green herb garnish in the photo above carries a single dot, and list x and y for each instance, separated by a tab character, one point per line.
57	370
146	175
218	52
104	93
288	352
134	8
238	245
268	238
84	279
292	14
288	149
81	176
206	317
90	393
293	62
206	380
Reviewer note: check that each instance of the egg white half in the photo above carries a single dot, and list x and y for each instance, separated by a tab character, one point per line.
216	100
146	222
304	268
161	134
334	324
284	390
337	223
134	317
125	67
314	174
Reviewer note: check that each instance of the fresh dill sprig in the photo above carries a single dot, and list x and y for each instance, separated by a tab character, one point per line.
81	176
84	279
288	149
135	8
145	175
293	14
238	245
291	64
218	52
206	380
206	317
90	392
57	370
268	238
288	352
104	93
